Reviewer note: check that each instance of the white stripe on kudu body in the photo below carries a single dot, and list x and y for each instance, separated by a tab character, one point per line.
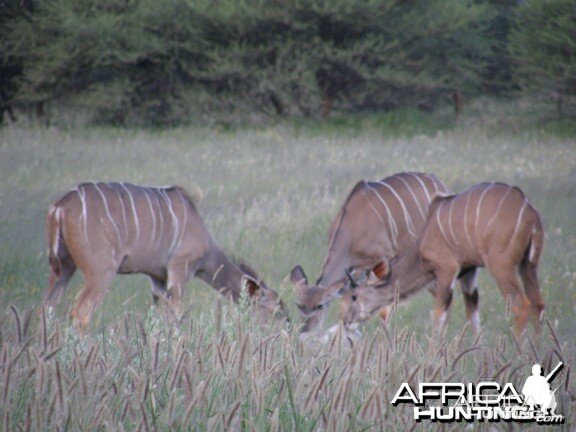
175	223
495	215
377	221
185	218
100	229
407	217
152	214
423	186
441	226
519	219
450	208
379	215
479	205
508	239
414	197
135	217
388	216
160	236
121	201
110	218
466	231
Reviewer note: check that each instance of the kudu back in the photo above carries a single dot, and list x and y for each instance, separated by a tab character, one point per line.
109	228
378	221
491	225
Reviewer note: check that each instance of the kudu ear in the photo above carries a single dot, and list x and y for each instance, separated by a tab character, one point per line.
300	281
252	287
297	276
379	273
381	270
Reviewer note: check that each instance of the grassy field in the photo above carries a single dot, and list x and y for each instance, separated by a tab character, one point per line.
269	196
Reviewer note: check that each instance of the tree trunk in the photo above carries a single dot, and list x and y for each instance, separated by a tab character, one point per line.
41	113
327	103
277	104
560	105
5	108
458	104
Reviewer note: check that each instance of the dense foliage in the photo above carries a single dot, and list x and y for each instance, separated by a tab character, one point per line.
544	46
165	62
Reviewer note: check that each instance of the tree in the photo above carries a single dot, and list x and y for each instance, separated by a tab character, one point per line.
121	60
498	78
159	62
543	45
312	56
10	68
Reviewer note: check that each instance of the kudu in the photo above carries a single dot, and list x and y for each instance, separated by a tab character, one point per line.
491	225
109	228
378	221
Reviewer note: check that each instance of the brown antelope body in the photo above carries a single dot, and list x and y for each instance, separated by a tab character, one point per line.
378	221
109	228
491	225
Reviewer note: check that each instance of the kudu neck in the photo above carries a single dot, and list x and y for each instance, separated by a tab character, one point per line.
221	273
408	274
329	281
333	270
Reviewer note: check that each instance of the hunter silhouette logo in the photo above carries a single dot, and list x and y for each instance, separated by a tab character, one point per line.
537	391
486	400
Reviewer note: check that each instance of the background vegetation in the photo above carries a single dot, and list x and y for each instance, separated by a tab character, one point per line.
150	62
269	196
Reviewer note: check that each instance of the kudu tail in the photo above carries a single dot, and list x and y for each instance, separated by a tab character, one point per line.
54	239
536	246
61	265
529	272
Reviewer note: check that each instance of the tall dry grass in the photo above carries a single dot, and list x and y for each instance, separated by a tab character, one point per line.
141	374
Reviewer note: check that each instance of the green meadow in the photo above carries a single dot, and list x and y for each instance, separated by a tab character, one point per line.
269	195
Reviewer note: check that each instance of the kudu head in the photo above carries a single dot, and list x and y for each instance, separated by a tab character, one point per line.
365	296
313	300
267	304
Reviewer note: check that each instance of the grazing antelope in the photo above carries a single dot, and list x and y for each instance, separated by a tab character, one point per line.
378	221
491	225
109	228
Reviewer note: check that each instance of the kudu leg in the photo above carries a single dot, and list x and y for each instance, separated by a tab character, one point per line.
507	279
529	275
445	279
177	277
96	285
59	280
158	287
469	286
